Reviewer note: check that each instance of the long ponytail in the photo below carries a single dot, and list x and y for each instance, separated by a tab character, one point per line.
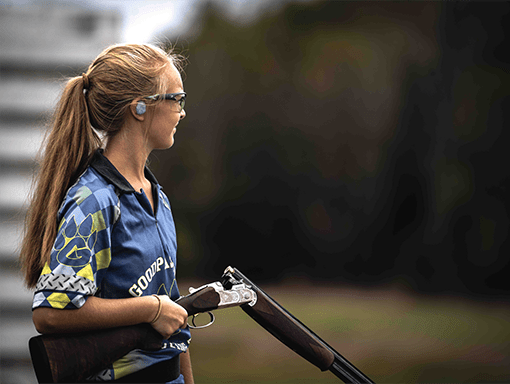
68	150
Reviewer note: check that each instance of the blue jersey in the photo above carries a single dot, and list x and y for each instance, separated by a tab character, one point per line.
112	244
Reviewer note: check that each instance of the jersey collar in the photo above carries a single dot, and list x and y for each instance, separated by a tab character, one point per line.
107	170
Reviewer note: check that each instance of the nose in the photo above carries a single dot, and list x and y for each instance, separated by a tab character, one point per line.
182	114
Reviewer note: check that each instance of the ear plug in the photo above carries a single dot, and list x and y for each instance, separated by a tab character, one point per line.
141	108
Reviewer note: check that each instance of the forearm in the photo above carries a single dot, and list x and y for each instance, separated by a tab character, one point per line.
185	365
95	314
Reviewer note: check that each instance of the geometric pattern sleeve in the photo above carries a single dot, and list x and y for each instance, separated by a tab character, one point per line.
81	253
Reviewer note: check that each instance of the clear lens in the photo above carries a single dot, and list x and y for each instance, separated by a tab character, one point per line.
171	96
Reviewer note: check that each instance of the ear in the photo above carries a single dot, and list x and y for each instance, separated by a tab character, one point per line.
137	109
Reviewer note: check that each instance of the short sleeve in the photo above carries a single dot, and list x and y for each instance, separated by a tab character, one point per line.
81	253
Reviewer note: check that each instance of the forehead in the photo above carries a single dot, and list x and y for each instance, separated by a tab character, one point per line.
173	79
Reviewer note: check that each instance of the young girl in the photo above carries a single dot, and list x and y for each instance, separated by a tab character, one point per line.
100	243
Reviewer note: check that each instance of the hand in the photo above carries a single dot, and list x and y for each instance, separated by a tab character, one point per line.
172	317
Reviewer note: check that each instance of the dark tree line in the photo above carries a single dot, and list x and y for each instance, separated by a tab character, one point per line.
290	164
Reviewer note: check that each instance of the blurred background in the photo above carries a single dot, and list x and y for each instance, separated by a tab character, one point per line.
348	157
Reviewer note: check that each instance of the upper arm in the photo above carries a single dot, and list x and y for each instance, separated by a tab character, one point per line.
81	252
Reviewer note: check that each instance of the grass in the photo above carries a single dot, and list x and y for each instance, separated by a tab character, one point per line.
390	335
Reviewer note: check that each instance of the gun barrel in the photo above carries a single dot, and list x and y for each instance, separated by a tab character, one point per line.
344	370
294	334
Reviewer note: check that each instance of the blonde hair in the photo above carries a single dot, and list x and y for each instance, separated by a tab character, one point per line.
95	101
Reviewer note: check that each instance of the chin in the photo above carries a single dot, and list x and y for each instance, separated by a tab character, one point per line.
164	146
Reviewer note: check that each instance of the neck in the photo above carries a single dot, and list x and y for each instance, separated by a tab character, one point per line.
129	159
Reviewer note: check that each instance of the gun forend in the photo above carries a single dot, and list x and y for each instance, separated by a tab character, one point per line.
281	324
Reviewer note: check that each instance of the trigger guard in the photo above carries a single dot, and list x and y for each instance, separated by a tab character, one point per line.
194	326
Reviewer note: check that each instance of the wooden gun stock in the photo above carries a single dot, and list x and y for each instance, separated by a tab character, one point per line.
71	358
294	334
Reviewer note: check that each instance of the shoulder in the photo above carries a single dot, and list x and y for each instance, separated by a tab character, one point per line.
90	194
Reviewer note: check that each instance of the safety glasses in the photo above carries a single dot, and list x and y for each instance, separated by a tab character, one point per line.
179	97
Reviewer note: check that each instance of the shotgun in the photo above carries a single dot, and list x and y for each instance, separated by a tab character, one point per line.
71	358
55	360
291	332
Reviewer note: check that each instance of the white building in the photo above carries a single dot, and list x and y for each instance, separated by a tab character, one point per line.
39	46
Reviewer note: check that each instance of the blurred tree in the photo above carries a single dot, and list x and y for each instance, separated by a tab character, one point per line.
347	141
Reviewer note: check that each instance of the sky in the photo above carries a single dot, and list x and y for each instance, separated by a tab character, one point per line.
143	20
